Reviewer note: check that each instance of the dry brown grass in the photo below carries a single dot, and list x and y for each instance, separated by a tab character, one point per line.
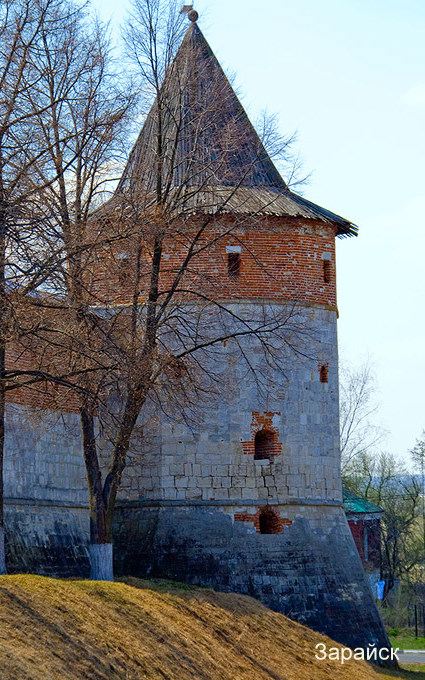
75	630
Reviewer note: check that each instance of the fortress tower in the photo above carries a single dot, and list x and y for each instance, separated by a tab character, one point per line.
250	499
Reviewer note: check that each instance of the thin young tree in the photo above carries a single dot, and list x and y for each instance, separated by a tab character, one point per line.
359	434
22	263
418	458
61	129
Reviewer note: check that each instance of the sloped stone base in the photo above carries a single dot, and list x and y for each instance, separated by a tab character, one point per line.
311	571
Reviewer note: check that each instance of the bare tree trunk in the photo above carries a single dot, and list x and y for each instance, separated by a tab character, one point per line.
102	497
100	550
2	386
2	428
101	562
122	444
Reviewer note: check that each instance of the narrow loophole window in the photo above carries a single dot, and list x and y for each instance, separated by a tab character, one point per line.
264	445
233	264
324	372
269	523
327	271
124	267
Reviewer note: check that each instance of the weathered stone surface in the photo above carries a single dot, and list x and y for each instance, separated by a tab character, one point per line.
191	506
47	539
2	552
311	571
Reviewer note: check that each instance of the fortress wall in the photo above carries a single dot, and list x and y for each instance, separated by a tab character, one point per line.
45	474
47	538
46	505
207	523
43	456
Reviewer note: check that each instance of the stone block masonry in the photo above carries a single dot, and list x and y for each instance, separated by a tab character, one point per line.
46	505
309	571
250	499
219	462
46	538
202	508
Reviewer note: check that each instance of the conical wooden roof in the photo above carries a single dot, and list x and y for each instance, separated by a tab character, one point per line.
198	148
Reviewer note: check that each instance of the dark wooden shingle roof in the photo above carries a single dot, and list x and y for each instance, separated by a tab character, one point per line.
211	158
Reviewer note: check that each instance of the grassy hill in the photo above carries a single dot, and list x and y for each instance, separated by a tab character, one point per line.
137	630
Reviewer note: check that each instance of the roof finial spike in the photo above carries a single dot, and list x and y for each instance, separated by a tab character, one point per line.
192	14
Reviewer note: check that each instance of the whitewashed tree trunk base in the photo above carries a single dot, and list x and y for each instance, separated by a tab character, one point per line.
101	562
2	553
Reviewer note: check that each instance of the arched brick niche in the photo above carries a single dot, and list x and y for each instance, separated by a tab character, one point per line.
269	522
264	443
266	520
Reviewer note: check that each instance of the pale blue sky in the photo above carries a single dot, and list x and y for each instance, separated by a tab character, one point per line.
349	76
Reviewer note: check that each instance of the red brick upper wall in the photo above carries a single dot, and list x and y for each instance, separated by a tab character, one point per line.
281	258
41	394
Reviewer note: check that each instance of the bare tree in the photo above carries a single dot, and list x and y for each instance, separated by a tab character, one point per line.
418	458
21	223
61	122
358	405
383	480
198	175
84	136
134	310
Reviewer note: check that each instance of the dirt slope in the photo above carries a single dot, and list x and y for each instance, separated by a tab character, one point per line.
75	630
